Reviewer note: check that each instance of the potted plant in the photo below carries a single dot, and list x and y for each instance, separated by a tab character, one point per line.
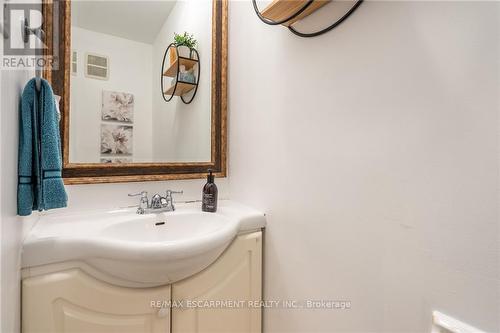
186	40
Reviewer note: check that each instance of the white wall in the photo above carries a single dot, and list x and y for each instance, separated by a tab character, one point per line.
12	228
130	71
182	132
373	150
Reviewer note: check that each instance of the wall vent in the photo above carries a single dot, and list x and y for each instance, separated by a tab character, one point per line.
96	66
74	62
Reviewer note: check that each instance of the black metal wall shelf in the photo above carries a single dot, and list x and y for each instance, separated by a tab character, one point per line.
179	88
287	12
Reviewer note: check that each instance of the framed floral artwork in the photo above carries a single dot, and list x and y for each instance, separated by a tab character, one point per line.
116	139
117	106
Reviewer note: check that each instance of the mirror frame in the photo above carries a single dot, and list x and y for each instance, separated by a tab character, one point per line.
58	12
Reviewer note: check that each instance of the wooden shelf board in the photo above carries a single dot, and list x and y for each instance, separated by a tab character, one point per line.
182	88
187	62
281	9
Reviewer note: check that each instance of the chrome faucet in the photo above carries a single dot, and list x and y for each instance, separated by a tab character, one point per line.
158	203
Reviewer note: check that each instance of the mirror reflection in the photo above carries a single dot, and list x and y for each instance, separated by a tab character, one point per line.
134	99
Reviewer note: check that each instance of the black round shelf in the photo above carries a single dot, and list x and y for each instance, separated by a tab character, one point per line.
300	11
179	88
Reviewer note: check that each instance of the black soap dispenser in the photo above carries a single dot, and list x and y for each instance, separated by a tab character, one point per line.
209	199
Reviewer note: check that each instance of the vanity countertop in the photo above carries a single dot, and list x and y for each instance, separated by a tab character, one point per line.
144	250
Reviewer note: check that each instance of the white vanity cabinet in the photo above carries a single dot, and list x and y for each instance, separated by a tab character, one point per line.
73	301
221	294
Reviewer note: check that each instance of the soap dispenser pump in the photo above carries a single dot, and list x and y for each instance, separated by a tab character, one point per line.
209	199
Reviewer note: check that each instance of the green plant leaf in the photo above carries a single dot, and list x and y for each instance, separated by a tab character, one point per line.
185	39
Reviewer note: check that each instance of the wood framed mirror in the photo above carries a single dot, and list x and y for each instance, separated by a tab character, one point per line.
175	147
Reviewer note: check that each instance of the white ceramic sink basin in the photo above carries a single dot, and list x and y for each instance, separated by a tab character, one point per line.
127	249
168	228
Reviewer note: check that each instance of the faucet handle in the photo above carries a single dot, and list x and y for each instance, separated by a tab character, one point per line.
143	194
169	199
144	203
170	192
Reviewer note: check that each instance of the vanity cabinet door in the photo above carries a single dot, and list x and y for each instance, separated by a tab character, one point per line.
72	301
235	276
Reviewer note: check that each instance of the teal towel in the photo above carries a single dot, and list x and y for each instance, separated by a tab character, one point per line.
40	186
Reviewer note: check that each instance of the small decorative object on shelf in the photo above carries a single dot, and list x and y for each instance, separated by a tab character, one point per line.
185	40
287	12
184	61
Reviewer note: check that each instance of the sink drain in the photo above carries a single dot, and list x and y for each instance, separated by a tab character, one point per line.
159	223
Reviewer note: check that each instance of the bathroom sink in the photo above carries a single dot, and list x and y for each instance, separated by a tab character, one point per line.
170	228
124	248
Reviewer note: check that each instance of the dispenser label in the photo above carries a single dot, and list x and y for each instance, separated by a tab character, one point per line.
209	202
